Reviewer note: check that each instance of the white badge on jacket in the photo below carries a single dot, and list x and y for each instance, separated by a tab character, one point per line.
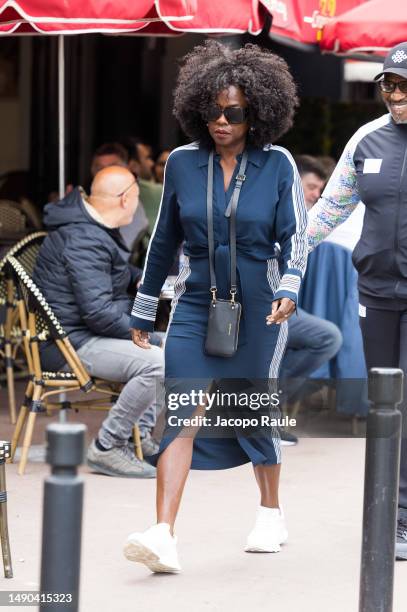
372	166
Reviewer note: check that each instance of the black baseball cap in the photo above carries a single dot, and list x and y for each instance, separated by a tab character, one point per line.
395	61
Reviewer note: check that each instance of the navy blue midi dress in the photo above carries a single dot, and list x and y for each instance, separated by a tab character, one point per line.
271	213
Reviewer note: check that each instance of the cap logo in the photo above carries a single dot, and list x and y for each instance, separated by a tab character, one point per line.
399	57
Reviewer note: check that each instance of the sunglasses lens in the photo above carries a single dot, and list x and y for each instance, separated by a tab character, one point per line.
235	114
213	113
386	86
390	86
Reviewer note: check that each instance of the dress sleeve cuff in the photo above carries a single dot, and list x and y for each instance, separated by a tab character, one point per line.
144	312
289	287
143	324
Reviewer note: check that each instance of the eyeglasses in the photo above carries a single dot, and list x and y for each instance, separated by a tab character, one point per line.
119	195
232	114
390	86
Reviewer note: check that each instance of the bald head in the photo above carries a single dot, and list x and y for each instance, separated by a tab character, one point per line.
111	181
114	194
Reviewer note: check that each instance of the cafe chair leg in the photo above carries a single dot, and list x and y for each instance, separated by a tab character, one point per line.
22	416
137	443
29	430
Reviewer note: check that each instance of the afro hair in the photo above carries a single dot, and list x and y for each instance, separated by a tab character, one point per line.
263	77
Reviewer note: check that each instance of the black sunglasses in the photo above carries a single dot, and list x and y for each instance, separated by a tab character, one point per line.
390	86
232	114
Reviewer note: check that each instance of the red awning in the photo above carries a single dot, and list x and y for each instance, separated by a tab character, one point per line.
80	16
292	19
147	17
376	26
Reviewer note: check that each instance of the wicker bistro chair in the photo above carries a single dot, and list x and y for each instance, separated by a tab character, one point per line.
39	323
12	220
25	251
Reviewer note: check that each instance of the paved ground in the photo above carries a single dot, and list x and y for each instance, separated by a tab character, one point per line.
317	570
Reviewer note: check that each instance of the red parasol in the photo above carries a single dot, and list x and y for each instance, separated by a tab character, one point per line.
375	26
145	17
292	18
148	17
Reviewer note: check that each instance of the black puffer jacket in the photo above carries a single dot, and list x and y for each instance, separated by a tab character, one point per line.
83	273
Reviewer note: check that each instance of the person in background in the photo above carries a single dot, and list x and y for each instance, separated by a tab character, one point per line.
115	154
134	236
312	341
313	178
372	169
140	154
108	154
141	163
83	272
160	165
328	164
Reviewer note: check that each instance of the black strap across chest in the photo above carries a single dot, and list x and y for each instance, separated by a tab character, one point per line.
231	213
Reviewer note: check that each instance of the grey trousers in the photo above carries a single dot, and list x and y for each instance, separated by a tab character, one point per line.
141	398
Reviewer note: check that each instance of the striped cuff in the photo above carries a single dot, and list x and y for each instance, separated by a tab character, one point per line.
145	307
289	287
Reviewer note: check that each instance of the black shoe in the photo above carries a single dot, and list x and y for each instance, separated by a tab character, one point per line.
401	541
287	439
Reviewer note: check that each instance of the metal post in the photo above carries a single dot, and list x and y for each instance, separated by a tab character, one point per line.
61	153
381	490
5	453
61	114
62	514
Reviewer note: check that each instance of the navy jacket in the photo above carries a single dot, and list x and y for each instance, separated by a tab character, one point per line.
372	168
83	272
271	210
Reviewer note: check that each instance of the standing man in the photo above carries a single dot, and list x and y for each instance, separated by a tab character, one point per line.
373	168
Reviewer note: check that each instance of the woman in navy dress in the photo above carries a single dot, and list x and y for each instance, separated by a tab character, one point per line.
229	101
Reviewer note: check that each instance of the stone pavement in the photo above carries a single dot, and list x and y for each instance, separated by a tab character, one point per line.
318	569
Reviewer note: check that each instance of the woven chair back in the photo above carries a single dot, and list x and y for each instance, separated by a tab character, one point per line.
26	252
12	220
35	302
43	323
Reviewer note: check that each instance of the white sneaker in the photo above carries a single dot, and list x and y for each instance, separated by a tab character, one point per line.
155	547
269	531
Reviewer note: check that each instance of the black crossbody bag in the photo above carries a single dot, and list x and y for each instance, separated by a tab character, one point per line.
224	315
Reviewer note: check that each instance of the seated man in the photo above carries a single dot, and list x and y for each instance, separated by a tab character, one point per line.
114	154
141	163
313	178
312	341
83	272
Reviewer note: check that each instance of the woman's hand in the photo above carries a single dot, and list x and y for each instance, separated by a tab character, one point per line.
141	338
281	310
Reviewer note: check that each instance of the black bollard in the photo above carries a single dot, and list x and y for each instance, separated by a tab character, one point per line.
381	490
62	516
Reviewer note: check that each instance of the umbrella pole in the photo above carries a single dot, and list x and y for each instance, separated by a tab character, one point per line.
61	114
61	153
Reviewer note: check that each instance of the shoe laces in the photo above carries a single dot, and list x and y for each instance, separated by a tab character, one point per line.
128	453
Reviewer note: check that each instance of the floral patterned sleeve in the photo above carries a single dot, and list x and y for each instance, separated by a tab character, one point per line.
338	200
